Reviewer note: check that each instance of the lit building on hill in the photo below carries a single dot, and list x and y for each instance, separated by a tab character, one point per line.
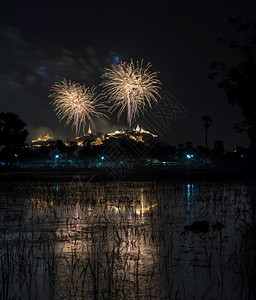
42	140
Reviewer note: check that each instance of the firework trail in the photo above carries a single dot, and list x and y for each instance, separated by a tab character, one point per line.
132	88
77	104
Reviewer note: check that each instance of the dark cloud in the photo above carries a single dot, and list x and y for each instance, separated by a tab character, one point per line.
44	73
23	59
28	71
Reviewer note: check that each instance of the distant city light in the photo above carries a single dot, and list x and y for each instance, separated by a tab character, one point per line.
56	156
190	156
102	157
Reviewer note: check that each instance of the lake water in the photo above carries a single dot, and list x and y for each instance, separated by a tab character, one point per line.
126	240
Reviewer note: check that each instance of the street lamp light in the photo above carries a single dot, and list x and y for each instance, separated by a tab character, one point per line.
56	156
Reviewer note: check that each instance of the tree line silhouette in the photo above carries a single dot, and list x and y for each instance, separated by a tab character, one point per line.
15	151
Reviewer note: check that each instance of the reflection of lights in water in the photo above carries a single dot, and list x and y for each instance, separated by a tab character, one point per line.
87	230
190	217
76	235
89	210
129	240
176	259
188	243
188	246
143	209
41	203
142	201
138	209
99	199
57	190
77	208
190	198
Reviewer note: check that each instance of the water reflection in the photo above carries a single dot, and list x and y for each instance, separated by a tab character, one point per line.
124	241
189	278
190	198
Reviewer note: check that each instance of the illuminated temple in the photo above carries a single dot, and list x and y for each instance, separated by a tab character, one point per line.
138	135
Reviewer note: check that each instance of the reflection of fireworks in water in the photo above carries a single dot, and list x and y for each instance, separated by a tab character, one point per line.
76	103
132	87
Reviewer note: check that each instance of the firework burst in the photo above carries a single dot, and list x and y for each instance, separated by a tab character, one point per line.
77	104
131	87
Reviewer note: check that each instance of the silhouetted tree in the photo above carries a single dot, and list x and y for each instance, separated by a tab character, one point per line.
171	152
87	143
239	81
12	136
200	152
73	145
189	146
12	130
218	148
207	122
180	151
52	145
240	150
180	147
200	149
57	146
61	147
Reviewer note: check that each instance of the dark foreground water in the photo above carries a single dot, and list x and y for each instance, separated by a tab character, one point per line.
79	240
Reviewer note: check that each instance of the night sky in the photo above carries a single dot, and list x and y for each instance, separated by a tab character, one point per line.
42	42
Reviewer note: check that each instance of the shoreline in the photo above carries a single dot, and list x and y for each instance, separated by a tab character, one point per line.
140	174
